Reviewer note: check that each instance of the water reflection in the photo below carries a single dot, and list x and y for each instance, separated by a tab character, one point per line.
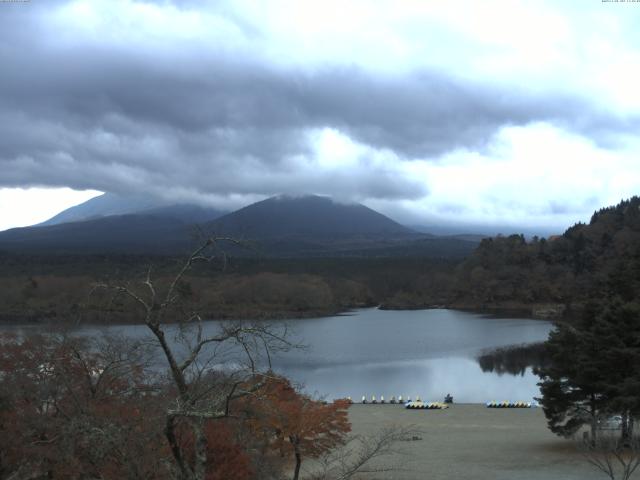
514	359
431	379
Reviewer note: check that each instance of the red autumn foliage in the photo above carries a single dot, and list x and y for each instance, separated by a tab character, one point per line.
229	458
297	424
226	457
68	412
71	410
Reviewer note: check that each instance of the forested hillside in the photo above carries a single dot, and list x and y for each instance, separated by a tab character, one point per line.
564	270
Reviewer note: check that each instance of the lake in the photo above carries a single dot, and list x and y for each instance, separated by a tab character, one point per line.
412	352
419	352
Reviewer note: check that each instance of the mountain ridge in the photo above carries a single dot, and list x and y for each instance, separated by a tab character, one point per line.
109	204
278	226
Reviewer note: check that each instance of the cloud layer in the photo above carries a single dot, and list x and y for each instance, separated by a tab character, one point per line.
224	103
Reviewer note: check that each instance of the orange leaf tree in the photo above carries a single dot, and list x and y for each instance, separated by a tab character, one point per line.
297	424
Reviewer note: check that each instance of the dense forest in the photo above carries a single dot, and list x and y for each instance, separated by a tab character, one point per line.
61	287
544	276
563	270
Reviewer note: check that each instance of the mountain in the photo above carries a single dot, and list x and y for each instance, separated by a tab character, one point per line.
309	217
110	204
278	226
320	226
113	223
103	205
135	234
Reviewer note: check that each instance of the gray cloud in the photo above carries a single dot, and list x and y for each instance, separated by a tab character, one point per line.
121	118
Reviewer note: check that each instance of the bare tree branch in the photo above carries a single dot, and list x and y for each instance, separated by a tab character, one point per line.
361	455
611	456
202	394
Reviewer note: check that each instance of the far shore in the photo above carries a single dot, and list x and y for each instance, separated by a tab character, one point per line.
532	311
51	318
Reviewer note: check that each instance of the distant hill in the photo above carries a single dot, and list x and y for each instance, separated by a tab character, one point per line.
135	234
478	231
113	223
319	226
103	205
307	217
279	226
110	204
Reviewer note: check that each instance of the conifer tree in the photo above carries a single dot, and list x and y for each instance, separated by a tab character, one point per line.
572	383
594	368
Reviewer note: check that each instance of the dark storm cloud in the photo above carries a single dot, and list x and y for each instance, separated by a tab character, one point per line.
122	117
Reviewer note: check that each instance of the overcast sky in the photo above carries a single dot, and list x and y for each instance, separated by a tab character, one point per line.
496	112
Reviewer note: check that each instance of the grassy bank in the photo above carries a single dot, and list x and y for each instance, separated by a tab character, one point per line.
475	443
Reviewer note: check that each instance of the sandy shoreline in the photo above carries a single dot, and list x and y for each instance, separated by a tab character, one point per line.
474	442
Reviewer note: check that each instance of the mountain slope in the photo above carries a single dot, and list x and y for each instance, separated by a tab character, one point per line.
109	204
135	234
101	206
189	214
95	227
309	217
312	226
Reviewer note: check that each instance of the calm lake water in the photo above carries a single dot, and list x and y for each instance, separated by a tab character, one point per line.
422	352
381	352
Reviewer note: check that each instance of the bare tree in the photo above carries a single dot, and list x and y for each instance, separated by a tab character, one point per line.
365	455
615	458
208	367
